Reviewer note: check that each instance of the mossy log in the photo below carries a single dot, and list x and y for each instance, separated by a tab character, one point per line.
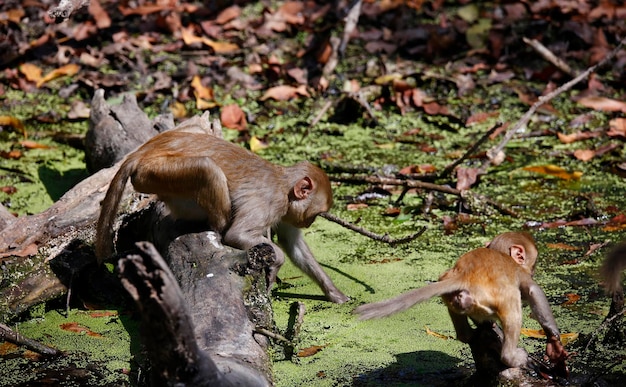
206	326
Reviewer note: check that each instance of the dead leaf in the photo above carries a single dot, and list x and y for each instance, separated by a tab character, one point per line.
14	15
571	298
555	171
284	92
603	104
392	211
356	206
228	14
104	313
13	154
14	123
178	110
8	189
616	223
617	127
584	154
310	351
233	117
69	69
466	178
76	328
34	145
437	335
219	47
577	136
257	144
78	110
32	72
562	246
99	14
204	95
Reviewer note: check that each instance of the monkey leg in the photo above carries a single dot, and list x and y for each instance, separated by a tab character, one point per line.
464	331
290	238
194	188
511	317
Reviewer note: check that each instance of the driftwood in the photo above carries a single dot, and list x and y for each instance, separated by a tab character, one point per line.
200	334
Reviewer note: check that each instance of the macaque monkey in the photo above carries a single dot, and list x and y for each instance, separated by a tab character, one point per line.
240	196
486	284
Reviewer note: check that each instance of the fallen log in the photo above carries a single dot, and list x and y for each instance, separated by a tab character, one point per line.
205	328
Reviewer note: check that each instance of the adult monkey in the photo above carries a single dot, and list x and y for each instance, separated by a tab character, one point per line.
486	284
241	196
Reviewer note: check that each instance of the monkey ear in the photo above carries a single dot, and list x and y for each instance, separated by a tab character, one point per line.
519	254
303	188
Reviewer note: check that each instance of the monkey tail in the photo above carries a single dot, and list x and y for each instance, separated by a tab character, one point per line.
612	268
406	300
104	228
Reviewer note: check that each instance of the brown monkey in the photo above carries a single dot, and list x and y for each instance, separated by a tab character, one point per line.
240	195
486	284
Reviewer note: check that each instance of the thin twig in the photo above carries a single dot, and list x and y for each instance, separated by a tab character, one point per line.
7	334
493	152
272	335
447	170
351	20
549	56
423	185
383	238
399	182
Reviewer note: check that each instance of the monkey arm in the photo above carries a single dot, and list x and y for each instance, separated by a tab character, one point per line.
536	298
291	240
541	311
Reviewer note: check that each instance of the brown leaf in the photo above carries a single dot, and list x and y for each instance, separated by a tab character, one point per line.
31	71
437	335
228	14
13	154
99	14
554	170
8	189
466	178
284	92
310	351
75	327
219	47
69	69
392	211
14	123
617	127
571	298
562	246
577	136
34	145
603	104
584	154
356	206
233	117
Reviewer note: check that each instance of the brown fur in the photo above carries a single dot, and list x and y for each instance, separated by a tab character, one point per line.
240	195
485	284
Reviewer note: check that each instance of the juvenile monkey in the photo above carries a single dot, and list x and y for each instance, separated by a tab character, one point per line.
486	284
240	196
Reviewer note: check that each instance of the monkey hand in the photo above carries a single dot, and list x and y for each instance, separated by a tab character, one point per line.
555	350
557	355
336	296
